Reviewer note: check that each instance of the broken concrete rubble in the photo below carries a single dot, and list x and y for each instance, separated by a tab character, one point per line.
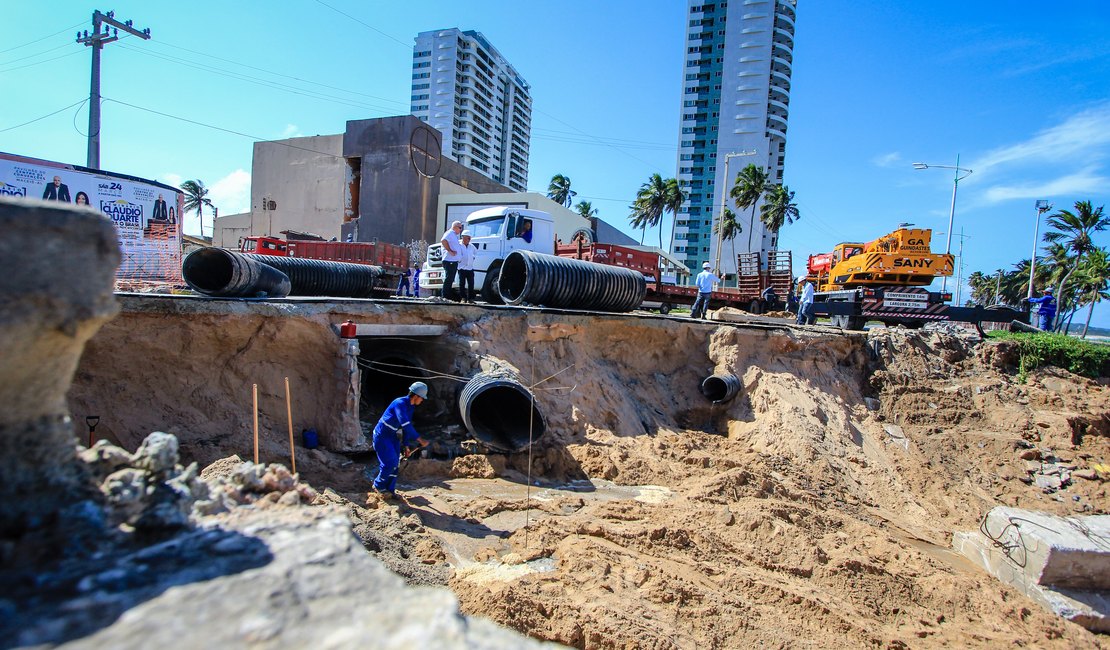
122	566
1063	563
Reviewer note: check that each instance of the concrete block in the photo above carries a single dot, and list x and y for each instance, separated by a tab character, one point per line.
1072	552
1089	608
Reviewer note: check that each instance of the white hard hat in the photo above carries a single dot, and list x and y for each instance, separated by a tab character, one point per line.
419	388
465	233
705	265
801	278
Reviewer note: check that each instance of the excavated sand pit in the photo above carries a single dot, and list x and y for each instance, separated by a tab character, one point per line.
814	509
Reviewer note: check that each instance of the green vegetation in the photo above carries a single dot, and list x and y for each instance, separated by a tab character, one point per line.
1060	350
1071	264
558	190
656	196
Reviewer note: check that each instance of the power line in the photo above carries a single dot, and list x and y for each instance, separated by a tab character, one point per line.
31	56
60	31
657	144
276	85
220	128
279	74
370	27
10	128
614	147
31	65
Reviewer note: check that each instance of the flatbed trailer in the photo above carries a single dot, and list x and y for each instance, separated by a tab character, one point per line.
753	278
912	307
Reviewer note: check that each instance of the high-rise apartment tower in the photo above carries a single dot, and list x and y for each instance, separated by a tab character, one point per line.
462	86
735	100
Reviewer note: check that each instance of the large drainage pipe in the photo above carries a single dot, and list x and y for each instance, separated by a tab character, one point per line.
498	411
323	278
219	272
535	278
720	387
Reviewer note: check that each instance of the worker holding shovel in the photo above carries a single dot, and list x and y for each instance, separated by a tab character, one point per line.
393	431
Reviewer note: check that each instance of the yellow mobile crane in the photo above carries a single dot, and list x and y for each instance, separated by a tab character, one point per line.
887	280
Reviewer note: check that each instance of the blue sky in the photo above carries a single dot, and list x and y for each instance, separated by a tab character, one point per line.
1019	90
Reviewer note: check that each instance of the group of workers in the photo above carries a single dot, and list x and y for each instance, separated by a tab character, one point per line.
458	260
1046	304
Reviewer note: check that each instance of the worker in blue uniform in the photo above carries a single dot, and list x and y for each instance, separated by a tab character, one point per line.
1046	309
394	431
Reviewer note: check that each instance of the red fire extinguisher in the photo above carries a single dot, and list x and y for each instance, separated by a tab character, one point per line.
348	330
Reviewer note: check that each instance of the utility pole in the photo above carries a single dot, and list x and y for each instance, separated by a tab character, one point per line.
960	267
100	36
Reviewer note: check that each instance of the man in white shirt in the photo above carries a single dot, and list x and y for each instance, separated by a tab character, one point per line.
704	282
452	252
805	304
466	268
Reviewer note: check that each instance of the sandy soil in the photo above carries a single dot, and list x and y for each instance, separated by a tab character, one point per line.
793	516
813	510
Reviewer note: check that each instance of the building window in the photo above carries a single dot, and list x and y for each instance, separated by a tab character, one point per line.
422	64
421	75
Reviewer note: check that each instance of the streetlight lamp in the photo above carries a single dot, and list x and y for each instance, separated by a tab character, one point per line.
1042	207
724	204
952	211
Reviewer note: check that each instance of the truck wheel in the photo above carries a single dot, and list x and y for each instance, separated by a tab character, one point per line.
665	308
836	320
756	307
854	323
491	292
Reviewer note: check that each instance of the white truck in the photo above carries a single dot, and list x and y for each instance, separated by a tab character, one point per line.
496	232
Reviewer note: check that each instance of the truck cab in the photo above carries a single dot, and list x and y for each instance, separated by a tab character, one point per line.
495	232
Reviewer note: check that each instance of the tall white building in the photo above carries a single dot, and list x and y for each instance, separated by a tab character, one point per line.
736	98
462	86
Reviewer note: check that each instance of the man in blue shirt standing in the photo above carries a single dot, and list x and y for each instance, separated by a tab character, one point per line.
805	303
393	431
704	281
1046	309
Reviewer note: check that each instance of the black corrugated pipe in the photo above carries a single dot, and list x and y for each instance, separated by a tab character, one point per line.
497	410
561	282
719	388
219	272
323	278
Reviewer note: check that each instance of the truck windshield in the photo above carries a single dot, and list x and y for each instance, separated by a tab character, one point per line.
486	227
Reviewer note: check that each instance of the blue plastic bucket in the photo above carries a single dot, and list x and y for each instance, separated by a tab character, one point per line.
309	439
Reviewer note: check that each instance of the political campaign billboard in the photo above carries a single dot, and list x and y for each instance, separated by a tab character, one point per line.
147	214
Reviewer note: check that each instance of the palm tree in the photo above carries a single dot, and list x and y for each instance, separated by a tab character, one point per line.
729	228
750	184
779	209
982	287
675	198
559	190
651	201
1074	231
586	209
1094	279
196	198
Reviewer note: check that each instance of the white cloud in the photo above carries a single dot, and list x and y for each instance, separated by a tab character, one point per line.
1081	139
169	178
891	159
291	131
1083	182
232	193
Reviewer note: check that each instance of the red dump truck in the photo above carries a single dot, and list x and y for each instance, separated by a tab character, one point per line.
392	259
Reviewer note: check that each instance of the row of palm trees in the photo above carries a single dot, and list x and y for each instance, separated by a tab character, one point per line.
1077	269
659	196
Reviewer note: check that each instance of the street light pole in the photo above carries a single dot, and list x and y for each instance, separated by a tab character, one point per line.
724	204
952	210
1042	207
